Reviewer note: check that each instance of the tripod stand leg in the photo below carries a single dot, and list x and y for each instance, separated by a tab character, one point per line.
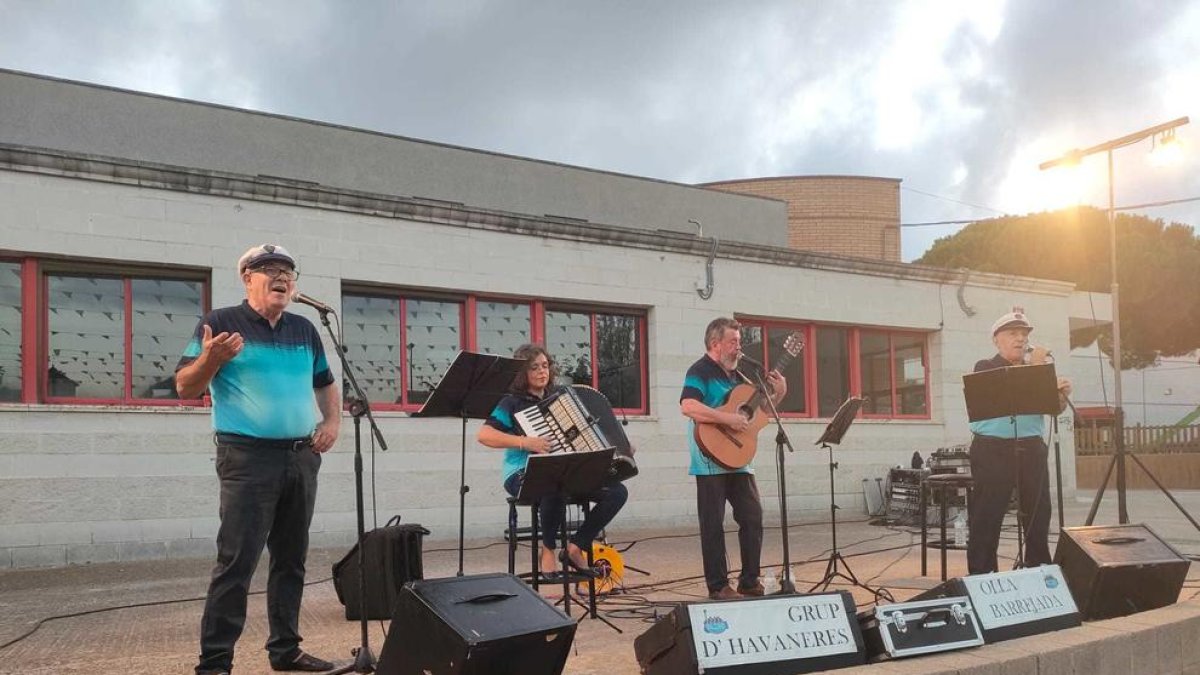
1166	492
1091	516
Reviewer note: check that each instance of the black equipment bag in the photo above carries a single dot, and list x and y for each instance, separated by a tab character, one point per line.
485	624
393	557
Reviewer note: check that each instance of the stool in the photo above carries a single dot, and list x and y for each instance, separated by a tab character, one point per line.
942	483
534	574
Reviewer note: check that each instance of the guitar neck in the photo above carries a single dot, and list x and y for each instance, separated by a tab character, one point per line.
782	362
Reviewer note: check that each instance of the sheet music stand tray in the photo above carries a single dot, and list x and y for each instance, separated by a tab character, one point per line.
1008	392
470	389
567	475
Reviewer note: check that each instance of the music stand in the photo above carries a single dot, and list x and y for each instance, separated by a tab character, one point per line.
834	431
470	389
1008	392
567	475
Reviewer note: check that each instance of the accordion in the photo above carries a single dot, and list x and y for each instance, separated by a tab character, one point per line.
580	419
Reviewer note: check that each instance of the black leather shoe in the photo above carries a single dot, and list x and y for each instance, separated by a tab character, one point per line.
304	661
586	571
555	577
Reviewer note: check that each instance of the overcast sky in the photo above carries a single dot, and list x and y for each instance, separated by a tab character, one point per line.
960	99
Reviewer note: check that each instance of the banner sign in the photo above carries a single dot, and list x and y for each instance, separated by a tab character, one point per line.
1020	596
771	629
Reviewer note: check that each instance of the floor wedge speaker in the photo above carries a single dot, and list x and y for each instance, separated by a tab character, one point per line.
475	625
1115	570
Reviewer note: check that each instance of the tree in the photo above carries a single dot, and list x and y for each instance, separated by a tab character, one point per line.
1158	266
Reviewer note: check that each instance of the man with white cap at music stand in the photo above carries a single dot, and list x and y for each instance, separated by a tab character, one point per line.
1008	452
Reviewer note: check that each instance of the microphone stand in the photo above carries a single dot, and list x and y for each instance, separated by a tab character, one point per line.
364	661
786	585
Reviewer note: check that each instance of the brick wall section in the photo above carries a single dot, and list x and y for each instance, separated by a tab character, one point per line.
846	215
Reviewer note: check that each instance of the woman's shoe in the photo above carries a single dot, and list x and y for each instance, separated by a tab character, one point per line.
555	577
586	571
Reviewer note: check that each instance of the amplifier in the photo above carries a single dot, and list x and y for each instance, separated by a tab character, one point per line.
921	627
1114	570
904	495
1015	604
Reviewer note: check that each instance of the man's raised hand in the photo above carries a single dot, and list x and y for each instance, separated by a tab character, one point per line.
222	347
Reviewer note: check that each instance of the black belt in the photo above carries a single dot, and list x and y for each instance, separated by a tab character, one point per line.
293	444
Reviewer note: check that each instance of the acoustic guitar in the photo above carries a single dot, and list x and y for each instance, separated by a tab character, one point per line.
734	449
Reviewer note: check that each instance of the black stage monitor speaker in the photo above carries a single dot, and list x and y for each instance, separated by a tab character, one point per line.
1115	570
487	624
393	558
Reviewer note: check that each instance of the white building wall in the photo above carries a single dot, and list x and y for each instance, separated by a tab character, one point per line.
1160	395
81	484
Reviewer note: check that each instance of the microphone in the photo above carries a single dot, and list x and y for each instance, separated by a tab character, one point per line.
1029	352
311	302
742	357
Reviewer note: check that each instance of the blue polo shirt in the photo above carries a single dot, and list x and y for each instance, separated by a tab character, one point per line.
266	391
706	381
1027	426
503	418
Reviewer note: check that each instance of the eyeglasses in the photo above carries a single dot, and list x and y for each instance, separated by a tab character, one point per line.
278	273
539	366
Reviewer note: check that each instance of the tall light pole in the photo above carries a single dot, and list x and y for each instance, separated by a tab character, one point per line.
1071	158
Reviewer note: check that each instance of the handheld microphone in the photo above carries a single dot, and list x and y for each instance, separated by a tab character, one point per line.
311	302
1029	352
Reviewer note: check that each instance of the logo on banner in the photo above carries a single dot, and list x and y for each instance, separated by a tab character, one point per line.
714	624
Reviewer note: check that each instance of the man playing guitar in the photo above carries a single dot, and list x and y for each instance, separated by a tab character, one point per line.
706	387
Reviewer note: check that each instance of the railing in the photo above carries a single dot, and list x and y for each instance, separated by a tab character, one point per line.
1091	440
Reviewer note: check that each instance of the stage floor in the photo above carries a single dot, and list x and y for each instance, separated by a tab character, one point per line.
155	630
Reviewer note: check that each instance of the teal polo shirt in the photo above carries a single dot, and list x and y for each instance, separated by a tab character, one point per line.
266	391
706	381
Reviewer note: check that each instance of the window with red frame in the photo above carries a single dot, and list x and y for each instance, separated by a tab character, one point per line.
10	331
116	338
400	345
887	367
602	350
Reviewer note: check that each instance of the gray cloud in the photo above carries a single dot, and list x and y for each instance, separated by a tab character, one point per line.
688	91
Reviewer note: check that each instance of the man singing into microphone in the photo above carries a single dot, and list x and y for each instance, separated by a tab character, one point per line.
995	468
268	376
